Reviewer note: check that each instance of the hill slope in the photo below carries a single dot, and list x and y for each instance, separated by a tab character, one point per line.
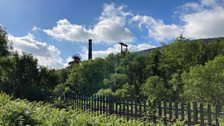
205	40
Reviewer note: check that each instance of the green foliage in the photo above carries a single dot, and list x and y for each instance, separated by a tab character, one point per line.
137	72
48	78
152	62
164	73
178	123
23	78
115	81
61	88
87	78
177	86
205	83
19	75
4	45
23	112
105	92
154	88
127	91
168	63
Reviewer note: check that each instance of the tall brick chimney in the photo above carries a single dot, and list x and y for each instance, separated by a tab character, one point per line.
90	49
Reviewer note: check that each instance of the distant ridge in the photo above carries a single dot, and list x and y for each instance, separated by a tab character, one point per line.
146	51
205	40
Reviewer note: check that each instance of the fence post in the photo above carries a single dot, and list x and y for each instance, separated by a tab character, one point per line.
165	120
182	111
128	112
140	108
84	102
120	105
92	102
176	110
160	108
136	109
202	114
97	103
104	99
100	100
209	115
195	112
145	110
74	101
189	113
154	111
64	99
89	103
116	104
107	106
132	108
123	101
217	115
170	111
111	103
81	101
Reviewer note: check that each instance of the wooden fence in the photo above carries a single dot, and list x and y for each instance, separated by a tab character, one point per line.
168	112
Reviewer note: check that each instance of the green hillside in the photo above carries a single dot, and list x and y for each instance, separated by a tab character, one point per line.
181	71
206	40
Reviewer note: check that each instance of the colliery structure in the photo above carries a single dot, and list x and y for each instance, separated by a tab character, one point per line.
77	59
124	48
90	50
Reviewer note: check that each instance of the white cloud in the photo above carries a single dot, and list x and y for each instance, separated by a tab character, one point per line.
47	55
67	31
140	47
111	27
199	20
69	59
157	29
205	23
116	49
192	6
211	3
35	28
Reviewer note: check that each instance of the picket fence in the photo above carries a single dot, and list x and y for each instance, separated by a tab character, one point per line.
166	111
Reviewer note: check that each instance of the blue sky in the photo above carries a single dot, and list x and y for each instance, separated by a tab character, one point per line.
54	30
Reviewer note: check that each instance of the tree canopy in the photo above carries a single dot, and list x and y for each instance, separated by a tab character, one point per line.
183	70
4	44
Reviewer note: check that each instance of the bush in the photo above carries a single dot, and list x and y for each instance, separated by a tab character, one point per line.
105	92
22	112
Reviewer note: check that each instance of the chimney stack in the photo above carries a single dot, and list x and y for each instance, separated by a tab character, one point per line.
90	49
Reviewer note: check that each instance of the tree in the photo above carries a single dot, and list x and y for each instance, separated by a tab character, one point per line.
105	92
48	79
137	73
19	75
154	88
127	91
152	62
205	83
115	81
3	43
87	78
177	86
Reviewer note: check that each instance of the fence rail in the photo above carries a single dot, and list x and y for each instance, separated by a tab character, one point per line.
168	112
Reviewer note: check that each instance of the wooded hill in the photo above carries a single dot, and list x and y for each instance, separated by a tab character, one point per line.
183	70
